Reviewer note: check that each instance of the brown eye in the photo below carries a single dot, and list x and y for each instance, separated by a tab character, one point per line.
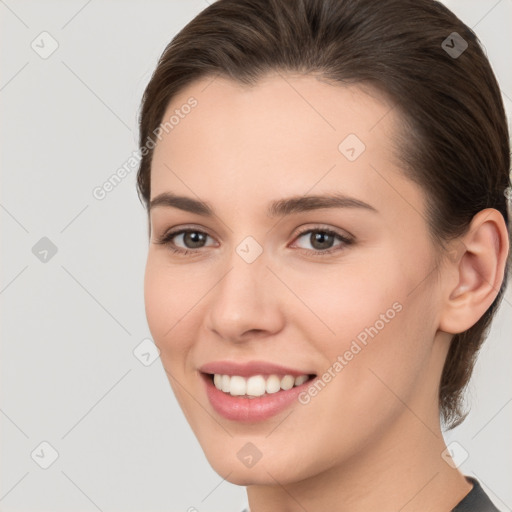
184	241
323	241
193	239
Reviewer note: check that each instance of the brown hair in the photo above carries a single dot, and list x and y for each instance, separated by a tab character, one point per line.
456	144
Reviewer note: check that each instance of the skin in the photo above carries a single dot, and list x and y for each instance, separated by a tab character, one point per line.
371	439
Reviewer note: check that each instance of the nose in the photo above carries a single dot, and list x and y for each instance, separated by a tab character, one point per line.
245	303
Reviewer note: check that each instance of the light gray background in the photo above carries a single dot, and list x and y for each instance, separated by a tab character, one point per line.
69	326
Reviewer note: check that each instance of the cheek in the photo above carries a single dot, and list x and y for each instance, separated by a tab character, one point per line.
368	317
393	365
158	300
169	297
346	299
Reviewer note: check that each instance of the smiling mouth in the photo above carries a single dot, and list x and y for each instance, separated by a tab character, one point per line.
258	385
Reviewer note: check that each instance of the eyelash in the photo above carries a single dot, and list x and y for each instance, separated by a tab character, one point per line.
166	238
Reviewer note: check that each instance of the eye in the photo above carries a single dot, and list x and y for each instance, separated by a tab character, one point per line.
192	239
322	239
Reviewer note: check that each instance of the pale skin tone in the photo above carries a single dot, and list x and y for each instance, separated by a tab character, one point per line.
371	439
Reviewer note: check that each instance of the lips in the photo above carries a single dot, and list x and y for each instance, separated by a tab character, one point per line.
231	400
251	368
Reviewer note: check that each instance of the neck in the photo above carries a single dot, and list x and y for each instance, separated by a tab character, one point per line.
397	472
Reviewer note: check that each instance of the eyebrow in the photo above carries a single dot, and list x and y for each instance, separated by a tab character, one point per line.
278	208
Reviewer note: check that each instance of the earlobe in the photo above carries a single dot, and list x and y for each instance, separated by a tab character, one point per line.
479	265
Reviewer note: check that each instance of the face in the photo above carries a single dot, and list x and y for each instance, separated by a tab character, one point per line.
251	284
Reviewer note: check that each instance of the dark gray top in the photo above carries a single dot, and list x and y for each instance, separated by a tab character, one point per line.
476	500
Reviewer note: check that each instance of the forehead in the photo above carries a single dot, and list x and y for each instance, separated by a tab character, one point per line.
280	110
285	135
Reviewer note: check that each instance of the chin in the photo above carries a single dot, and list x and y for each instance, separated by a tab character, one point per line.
268	470
257	475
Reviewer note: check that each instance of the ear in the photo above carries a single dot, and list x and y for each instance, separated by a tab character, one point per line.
475	271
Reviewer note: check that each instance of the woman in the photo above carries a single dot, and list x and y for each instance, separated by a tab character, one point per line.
326	191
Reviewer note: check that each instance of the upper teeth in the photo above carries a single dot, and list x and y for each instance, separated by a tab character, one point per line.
256	385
